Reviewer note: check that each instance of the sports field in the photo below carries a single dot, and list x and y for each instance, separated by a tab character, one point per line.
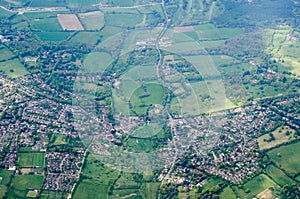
32	159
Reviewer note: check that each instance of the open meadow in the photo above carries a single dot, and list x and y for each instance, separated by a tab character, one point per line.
13	68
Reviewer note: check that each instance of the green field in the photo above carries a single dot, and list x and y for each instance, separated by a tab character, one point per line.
22	183
5	14
5	53
287	158
31	159
278	176
227	193
144	97
47	3
92	20
97	61
136	145
123	20
89	189
149	190
80	3
90	38
255	186
46	24
53	36
5	175
13	68
47	194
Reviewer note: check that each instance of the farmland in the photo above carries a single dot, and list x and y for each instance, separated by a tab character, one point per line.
287	158
92	20
227	193
278	176
69	22
255	186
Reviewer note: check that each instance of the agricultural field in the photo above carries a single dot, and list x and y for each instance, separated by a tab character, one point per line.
5	14
89	189
5	175
149	190
32	160
125	19
5	53
92	20
47	3
281	135
227	193
255	186
53	36
90	38
69	22
13	68
287	158
278	176
46	25
97	61
22	183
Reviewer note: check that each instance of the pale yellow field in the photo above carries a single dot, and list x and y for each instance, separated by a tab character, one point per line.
280	137
69	22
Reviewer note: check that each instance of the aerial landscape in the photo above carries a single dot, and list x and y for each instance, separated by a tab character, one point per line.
147	99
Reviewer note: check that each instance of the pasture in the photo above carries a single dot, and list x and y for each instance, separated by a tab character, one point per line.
90	38
145	96
31	159
53	36
123	19
5	175
89	189
46	25
69	22
137	145
287	158
13	68
227	193
149	190
97	61
278	176
255	186
92	20
47	3
22	183
280	135
5	53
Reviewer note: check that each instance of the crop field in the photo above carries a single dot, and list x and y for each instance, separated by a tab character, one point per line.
278	176
92	20
97	61
53	36
89	189
227	193
280	135
46	24
123	19
5	53
31	159
13	68
22	183
69	22
287	158
47	3
256	186
149	190
90	38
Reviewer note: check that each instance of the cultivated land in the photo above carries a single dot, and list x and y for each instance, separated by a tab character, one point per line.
69	22
278	176
92	20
